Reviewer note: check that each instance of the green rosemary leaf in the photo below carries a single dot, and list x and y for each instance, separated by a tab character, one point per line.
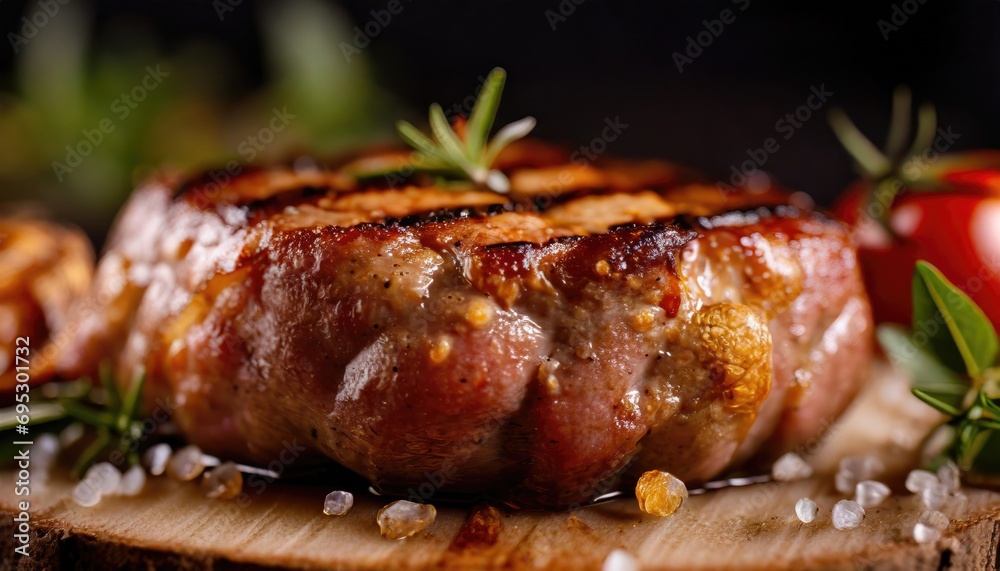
91	453
471	158
418	140
990	407
927	373
477	130
111	395
131	403
943	405
507	135
448	140
957	330
41	413
988	423
87	415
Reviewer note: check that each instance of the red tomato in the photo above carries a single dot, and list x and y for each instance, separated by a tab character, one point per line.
956	227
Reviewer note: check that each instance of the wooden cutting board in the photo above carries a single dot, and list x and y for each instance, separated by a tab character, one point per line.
172	526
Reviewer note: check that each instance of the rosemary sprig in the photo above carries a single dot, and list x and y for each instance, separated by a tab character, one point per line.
467	156
952	357
108	413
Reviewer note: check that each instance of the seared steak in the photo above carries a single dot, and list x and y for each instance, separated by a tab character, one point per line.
44	270
598	321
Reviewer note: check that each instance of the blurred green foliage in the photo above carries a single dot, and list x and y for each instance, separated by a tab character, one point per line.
68	84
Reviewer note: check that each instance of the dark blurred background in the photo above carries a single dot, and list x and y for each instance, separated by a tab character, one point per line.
573	64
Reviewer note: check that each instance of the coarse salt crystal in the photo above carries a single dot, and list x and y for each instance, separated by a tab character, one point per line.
790	467
806	510
847	514
934	496
87	493
934	519
133	481
157	458
620	560
105	476
919	480
950	476
861	468
844	483
923	533
71	434
186	464
403	518
870	493
338	502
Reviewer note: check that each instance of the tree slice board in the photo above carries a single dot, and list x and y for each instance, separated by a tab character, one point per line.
172	526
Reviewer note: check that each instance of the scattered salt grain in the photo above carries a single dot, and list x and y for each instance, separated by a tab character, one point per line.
919	480
157	458
806	510
844	483
133	481
46	445
71	434
660	493
923	533
934	519
847	514
44	452
934	496
620	560
224	482
87	493
870	493
338	503
856	469
105	476
186	464
790	467
861	468
950	476
403	518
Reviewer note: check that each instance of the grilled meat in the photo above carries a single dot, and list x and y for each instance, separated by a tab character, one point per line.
601	320
44	269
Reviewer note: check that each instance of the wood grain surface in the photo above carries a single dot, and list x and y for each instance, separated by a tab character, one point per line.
171	525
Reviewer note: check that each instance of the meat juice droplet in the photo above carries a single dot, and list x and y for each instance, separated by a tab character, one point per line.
224	482
660	493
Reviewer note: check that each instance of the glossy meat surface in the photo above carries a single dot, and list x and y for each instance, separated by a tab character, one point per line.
44	270
600	320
